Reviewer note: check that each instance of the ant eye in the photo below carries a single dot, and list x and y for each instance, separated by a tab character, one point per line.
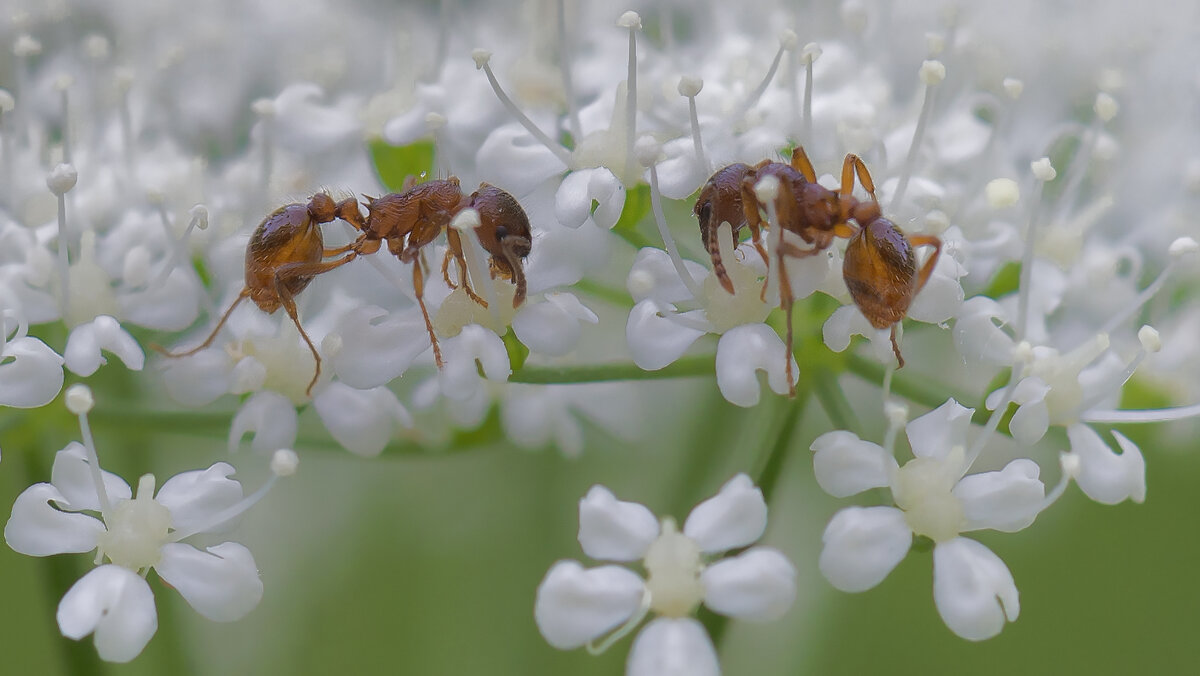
501	232
705	212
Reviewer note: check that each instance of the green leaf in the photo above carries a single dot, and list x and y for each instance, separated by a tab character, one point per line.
395	163
637	205
1006	281
517	352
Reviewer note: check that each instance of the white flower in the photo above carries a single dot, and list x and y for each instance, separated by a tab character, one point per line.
31	373
577	606
973	590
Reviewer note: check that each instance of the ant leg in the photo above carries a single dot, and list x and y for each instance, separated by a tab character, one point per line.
510	246
786	300
293	270
801	164
852	165
446	271
896	347
712	245
454	242
212	336
930	263
419	289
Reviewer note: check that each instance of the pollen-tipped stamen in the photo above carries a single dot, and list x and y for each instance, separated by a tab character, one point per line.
660	221
633	22
564	65
1043	172
482	57
689	87
787	42
280	467
932	73
79	401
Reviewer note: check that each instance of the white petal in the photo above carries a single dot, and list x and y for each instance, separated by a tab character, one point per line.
845	465
117	605
845	322
86	341
72	476
655	341
376	352
38	529
681	174
198	379
942	296
653	275
575	606
31	373
745	350
673	647
577	192
514	161
935	433
1008	500
973	590
460	377
272	418
362	421
613	529
976	335
734	517
195	497
546	328
170	306
1104	476
862	545
758	584
222	584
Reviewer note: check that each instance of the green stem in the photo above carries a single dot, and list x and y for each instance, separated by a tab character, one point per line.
912	388
609	294
687	367
833	400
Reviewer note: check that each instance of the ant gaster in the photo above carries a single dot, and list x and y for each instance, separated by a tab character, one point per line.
880	265
412	218
284	254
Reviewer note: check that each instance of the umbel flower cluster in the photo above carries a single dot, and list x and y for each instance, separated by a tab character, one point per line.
560	226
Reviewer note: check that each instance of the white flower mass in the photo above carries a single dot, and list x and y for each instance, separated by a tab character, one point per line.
501	252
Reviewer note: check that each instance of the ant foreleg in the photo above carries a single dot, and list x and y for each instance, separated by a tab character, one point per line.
419	290
930	263
212	336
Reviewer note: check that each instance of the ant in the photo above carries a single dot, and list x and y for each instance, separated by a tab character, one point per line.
412	218
880	265
284	254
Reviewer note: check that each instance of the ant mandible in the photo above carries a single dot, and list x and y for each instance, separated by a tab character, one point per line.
414	217
284	254
880	265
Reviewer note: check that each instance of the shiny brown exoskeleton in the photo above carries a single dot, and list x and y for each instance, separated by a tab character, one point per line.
284	254
880	266
414	217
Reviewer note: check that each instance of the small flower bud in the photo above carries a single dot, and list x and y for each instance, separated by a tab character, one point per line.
79	399
96	47
932	72
647	150
1002	192
631	20
811	52
936	222
1106	107
1181	247
331	344
1043	170
935	44
896	413
26	46
788	39
284	462
690	86
481	58
1013	87
467	219
767	188
199	214
435	121
1023	353
1070	464
61	179
263	107
1149	338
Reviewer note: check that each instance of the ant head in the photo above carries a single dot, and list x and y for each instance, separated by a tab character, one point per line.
321	208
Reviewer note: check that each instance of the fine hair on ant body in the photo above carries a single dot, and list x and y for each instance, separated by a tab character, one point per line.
413	218
880	264
283	255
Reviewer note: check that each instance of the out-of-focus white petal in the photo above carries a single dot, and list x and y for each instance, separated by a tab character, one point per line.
198	379
1008	500
935	433
514	161
117	605
374	352
758	584
845	465
654	340
862	545
222	584
976	335
942	296
575	605
653	275
38	529
34	375
170	306
72	476
546	328
362	421
86	341
735	517
195	497
613	529
459	377
742	352
272	418
1104	476
681	173
973	590
577	192
673	647
844	323
1032	418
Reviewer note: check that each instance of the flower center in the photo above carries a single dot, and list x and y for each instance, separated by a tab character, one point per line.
923	488
136	529
673	573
